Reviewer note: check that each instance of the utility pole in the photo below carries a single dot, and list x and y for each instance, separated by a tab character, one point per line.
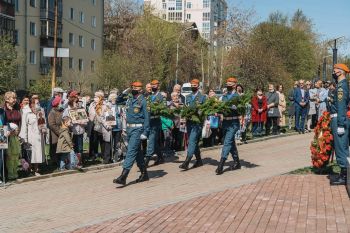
53	81
202	66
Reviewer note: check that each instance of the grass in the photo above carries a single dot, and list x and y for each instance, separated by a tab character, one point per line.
331	168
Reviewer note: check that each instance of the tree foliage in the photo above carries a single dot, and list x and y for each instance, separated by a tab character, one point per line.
8	65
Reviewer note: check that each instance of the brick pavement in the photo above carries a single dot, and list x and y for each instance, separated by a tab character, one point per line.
70	202
288	203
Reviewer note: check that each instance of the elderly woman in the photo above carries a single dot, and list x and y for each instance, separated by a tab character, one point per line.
2	124
177	134
96	118
54	124
273	112
311	116
32	134
259	107
12	115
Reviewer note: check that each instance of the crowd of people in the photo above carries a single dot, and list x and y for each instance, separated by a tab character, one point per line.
69	120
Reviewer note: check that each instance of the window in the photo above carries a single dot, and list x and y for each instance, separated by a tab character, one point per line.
16	37
205	27
16	5
178	5
32	3
93	21
94	2
205	35
32	57
81	64
171	16
178	16
81	41
164	5
32	29
164	16
82	17
71	39
92	66
171	8
206	16
71	14
205	3
189	5
71	63
188	16
93	44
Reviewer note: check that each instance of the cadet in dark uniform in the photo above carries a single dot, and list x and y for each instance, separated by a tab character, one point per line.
339	122
193	129
137	123
230	126
155	126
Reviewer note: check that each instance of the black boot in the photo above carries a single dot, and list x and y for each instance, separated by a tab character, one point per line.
147	159
236	164
160	159
144	175
199	161
220	168
185	164
122	178
341	179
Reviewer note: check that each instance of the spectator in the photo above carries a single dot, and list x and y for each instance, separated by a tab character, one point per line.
78	129
12	115
54	124
291	108
167	127
259	108
31	134
2	124
311	116
321	99
117	129
106	132
272	111
301	97
282	105
57	91
177	135
95	117
65	145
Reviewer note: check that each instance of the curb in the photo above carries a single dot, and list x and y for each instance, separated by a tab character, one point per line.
113	165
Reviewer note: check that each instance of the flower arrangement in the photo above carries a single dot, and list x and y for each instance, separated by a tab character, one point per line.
321	146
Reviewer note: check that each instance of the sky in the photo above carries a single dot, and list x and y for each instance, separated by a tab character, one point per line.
331	18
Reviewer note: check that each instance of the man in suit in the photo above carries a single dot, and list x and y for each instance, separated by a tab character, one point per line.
301	101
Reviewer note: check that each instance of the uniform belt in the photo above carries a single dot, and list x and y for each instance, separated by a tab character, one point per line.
231	118
134	125
154	117
334	115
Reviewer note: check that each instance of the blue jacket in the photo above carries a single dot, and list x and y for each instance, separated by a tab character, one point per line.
2	117
340	102
227	97
298	97
136	111
194	100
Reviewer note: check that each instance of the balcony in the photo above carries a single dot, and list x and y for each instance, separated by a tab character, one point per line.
7	8
46	14
46	68
47	41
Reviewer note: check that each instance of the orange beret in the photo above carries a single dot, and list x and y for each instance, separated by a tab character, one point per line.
195	81
342	67
154	82
137	84
231	80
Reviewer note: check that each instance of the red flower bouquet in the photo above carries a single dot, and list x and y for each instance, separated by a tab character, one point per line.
321	146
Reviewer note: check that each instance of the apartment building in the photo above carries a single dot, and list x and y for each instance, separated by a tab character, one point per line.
207	14
80	28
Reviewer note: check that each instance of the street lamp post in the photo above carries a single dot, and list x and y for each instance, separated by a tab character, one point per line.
324	67
177	50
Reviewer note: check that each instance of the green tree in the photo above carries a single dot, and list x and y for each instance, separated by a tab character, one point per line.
42	87
8	65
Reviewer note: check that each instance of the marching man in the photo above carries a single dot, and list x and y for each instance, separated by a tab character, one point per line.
193	129
137	123
339	121
230	126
